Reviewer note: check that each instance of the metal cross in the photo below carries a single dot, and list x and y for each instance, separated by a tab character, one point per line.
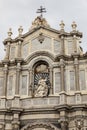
41	11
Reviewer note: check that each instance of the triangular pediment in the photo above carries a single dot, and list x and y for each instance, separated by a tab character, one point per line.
44	30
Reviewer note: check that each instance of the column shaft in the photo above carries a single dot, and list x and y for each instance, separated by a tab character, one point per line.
19	49
77	77
30	82
51	81
62	78
17	82
75	43
17	79
62	45
76	65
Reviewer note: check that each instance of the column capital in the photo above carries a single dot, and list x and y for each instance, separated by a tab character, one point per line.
62	63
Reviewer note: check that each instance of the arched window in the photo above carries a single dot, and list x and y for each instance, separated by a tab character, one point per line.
41	79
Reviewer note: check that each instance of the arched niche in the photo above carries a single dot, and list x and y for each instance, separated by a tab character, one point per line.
35	63
41	79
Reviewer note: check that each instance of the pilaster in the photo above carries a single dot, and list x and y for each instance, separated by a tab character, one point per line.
30	81
62	65
75	43
76	65
18	68
51	80
5	76
16	122
20	40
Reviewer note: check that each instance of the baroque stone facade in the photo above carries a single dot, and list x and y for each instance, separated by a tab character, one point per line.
43	80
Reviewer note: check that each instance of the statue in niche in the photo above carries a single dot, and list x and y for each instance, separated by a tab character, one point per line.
42	88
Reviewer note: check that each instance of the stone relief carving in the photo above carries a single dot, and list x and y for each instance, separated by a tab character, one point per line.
42	88
79	123
38	22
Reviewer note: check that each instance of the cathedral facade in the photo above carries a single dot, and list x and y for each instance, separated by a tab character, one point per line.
43	79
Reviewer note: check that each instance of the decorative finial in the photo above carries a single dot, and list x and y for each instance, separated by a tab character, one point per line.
62	25
20	30
74	25
10	33
41	11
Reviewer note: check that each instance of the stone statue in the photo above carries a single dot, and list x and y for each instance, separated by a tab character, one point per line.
42	88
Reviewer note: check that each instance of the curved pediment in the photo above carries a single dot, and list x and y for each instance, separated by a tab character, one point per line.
40	126
40	53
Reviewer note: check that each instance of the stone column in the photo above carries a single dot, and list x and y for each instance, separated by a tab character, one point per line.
62	45
20	40
15	122
75	43
5	79
76	65
30	82
51	80
62	74
17	78
19	49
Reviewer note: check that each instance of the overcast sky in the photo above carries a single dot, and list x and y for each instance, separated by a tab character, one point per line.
14	13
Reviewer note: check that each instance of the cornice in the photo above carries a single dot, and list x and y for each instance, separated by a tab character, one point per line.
77	33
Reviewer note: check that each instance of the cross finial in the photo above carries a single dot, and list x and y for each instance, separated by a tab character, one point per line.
41	11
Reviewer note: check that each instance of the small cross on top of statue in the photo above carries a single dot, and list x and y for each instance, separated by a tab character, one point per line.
41	11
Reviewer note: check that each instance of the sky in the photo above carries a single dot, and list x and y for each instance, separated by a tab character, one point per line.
15	13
